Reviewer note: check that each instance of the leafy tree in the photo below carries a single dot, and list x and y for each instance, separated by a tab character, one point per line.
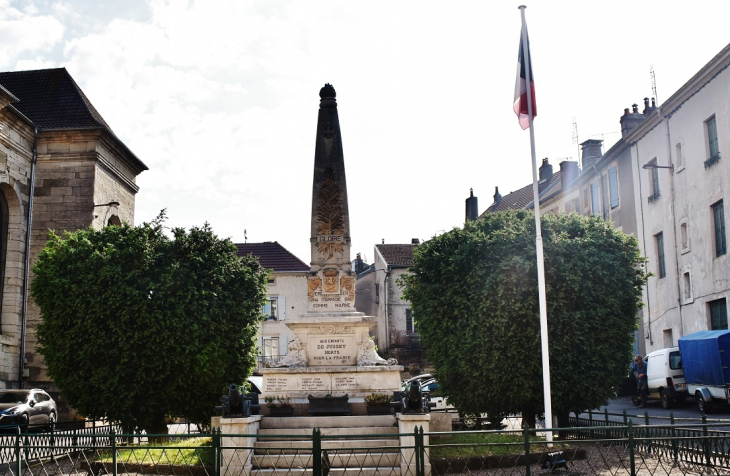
475	294
137	326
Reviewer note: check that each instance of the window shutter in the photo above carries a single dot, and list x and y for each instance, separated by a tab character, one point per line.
282	308
712	136
613	186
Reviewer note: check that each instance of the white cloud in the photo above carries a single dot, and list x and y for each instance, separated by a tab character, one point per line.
25	31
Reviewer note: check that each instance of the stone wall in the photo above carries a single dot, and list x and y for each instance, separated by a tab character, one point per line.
16	146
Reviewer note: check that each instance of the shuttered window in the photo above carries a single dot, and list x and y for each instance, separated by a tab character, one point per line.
718	214
613	186
595	199
712	136
718	314
661	267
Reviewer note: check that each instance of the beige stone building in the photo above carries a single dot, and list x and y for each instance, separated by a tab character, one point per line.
286	296
61	168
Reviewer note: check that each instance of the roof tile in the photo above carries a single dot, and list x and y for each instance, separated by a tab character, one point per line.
273	256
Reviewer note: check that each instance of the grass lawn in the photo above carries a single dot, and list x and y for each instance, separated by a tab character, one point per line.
189	452
462	445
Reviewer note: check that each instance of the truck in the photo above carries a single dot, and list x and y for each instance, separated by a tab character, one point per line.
706	361
665	377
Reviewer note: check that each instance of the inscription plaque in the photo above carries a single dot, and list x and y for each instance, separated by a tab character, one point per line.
335	349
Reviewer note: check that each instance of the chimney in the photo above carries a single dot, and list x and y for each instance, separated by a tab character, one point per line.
546	171
497	196
472	209
415	241
631	119
568	172
591	152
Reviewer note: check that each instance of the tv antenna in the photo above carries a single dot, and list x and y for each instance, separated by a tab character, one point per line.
653	83
576	140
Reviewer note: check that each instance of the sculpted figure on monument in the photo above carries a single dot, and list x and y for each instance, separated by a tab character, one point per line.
366	355
297	356
313	284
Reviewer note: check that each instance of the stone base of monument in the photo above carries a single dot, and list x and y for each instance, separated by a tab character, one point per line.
356	382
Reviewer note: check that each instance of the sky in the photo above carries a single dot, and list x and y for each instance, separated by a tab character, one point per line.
219	98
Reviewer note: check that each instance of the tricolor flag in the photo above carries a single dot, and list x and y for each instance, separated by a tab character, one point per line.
523	67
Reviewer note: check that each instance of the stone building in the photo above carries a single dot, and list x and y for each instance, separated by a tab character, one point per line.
61	168
680	165
379	295
286	296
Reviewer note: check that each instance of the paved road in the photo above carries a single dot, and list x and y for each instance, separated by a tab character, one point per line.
684	413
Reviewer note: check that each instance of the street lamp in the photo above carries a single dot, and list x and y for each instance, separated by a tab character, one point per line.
651	166
110	204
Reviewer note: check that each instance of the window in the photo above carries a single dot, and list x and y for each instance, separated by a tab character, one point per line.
718	215
654	182
271	309
377	293
613	186
661	268
410	325
712	145
667	334
571	206
718	314
271	349
684	236
678	154
687	283
595	199
675	359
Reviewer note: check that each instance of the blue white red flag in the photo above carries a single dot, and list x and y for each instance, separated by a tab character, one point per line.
523	66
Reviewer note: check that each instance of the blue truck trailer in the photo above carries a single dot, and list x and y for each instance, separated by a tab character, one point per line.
706	361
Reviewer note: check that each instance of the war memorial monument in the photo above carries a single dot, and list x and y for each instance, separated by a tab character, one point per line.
332	353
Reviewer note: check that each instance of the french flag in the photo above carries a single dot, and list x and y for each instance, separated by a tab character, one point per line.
523	66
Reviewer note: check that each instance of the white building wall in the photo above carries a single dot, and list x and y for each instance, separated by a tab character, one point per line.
686	197
291	291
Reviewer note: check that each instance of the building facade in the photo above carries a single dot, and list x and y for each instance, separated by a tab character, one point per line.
380	295
286	297
683	176
62	168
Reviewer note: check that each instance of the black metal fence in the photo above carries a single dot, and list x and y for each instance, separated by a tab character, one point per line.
595	448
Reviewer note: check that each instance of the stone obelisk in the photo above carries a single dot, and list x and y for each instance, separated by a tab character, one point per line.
332	353
331	284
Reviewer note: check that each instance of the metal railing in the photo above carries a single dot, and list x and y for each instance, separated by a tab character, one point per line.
612	449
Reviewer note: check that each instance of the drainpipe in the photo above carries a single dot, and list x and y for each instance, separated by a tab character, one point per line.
643	239
385	305
674	227
26	266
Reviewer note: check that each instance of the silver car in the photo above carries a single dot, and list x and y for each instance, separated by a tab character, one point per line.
27	408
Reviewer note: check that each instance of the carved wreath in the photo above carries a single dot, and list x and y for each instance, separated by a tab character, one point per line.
330	219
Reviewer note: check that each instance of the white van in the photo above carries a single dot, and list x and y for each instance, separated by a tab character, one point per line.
665	377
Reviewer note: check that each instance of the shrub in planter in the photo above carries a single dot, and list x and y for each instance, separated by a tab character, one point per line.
378	403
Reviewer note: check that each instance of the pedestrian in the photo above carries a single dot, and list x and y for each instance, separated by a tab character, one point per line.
638	370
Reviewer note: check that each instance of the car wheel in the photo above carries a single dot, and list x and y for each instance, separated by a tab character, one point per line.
704	406
667	401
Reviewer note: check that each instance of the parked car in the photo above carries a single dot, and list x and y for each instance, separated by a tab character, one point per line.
665	377
27	408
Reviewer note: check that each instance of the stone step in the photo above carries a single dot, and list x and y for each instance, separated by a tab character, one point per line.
338	460
359	421
281	433
370	471
290	447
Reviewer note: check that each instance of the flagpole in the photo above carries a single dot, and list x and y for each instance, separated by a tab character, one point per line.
538	240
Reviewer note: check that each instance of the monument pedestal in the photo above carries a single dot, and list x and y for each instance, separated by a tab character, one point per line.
356	382
332	354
